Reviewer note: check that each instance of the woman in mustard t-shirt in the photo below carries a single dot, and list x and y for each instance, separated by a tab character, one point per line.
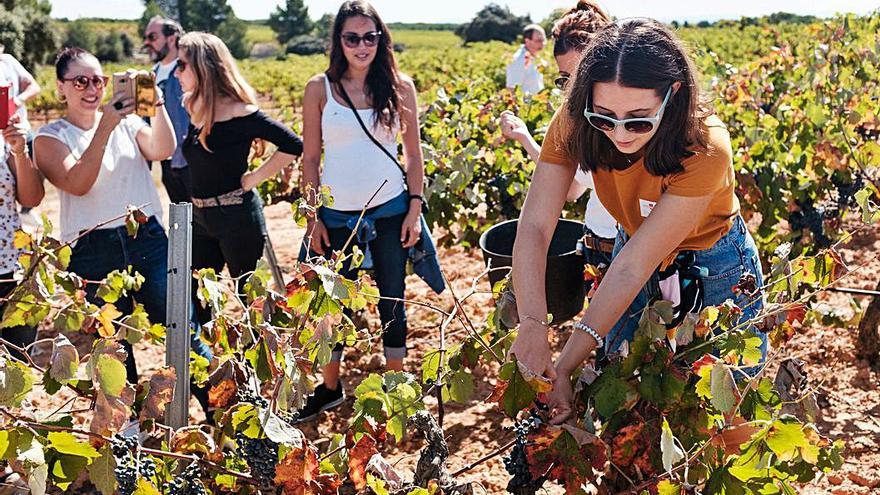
662	165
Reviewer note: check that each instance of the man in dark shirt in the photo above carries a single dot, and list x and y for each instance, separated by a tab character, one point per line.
160	40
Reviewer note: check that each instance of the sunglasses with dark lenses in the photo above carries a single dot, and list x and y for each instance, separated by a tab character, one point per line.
181	65
639	125
151	37
80	83
352	40
561	81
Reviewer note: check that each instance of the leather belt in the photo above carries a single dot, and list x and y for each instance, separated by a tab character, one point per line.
235	197
597	243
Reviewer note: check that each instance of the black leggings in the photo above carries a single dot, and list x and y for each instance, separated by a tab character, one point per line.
230	236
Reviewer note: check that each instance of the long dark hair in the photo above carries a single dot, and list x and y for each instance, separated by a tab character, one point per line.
382	85
575	28
639	53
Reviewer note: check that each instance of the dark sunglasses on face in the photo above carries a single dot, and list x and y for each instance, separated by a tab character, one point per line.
561	81
181	66
352	40
80	83
639	125
151	37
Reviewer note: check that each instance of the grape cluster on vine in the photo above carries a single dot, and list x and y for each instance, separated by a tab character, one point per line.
248	396
187	483
261	456
126	471
516	463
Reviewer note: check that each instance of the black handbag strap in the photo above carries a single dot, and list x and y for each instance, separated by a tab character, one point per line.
367	131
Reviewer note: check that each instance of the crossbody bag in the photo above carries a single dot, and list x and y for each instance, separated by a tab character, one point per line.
374	140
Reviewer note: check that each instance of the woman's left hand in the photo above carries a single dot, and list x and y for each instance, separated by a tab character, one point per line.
561	399
411	229
15	134
248	181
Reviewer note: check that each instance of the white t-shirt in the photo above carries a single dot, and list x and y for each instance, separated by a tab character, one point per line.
523	71
123	180
163	71
596	217
12	72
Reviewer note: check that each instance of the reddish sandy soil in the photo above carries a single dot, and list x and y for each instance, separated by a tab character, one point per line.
848	387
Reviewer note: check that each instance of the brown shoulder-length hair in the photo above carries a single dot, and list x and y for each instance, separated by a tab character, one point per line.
639	53
217	76
383	83
575	28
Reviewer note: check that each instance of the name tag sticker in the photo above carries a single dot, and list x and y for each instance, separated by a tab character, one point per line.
646	207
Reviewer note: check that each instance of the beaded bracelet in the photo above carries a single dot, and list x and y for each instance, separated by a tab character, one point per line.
600	342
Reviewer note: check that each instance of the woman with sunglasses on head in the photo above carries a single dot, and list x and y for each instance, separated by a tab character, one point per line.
662	165
571	33
96	155
363	78
226	127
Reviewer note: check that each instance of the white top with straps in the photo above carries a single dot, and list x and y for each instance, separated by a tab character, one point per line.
354	167
124	178
596	217
9	219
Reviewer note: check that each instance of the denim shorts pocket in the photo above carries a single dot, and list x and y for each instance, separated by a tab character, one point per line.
152	229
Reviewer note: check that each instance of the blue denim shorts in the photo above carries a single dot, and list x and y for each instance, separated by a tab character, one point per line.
734	254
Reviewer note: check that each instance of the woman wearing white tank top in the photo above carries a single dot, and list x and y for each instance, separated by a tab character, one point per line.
363	71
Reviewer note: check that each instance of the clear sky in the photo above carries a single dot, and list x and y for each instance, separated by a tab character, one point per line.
463	10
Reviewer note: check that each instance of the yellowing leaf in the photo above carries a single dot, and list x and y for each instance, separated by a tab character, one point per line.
21	239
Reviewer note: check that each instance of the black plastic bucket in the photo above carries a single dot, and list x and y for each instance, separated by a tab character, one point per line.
565	267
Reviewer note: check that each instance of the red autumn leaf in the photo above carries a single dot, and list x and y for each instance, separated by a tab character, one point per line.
111	413
221	394
706	360
358	458
498	393
298	474
160	395
796	313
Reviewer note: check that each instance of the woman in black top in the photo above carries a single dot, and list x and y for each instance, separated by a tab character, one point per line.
228	224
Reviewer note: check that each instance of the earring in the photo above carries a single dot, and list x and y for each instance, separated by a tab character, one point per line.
62	98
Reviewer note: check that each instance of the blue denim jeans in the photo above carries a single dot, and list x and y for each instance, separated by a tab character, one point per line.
389	271
100	252
734	254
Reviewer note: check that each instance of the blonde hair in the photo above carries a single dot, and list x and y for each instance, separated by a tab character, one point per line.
216	75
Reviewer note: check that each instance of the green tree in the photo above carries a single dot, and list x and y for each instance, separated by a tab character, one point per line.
290	20
207	15
151	9
11	32
323	26
108	47
493	23
80	34
27	32
233	31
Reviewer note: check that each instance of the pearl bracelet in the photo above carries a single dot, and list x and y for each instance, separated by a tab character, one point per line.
600	342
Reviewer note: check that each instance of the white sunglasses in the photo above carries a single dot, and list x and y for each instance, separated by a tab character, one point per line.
640	125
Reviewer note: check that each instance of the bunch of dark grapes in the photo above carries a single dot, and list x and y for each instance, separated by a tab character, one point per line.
126	471
248	396
508	209
186	483
289	417
517	464
846	191
260	454
813	218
